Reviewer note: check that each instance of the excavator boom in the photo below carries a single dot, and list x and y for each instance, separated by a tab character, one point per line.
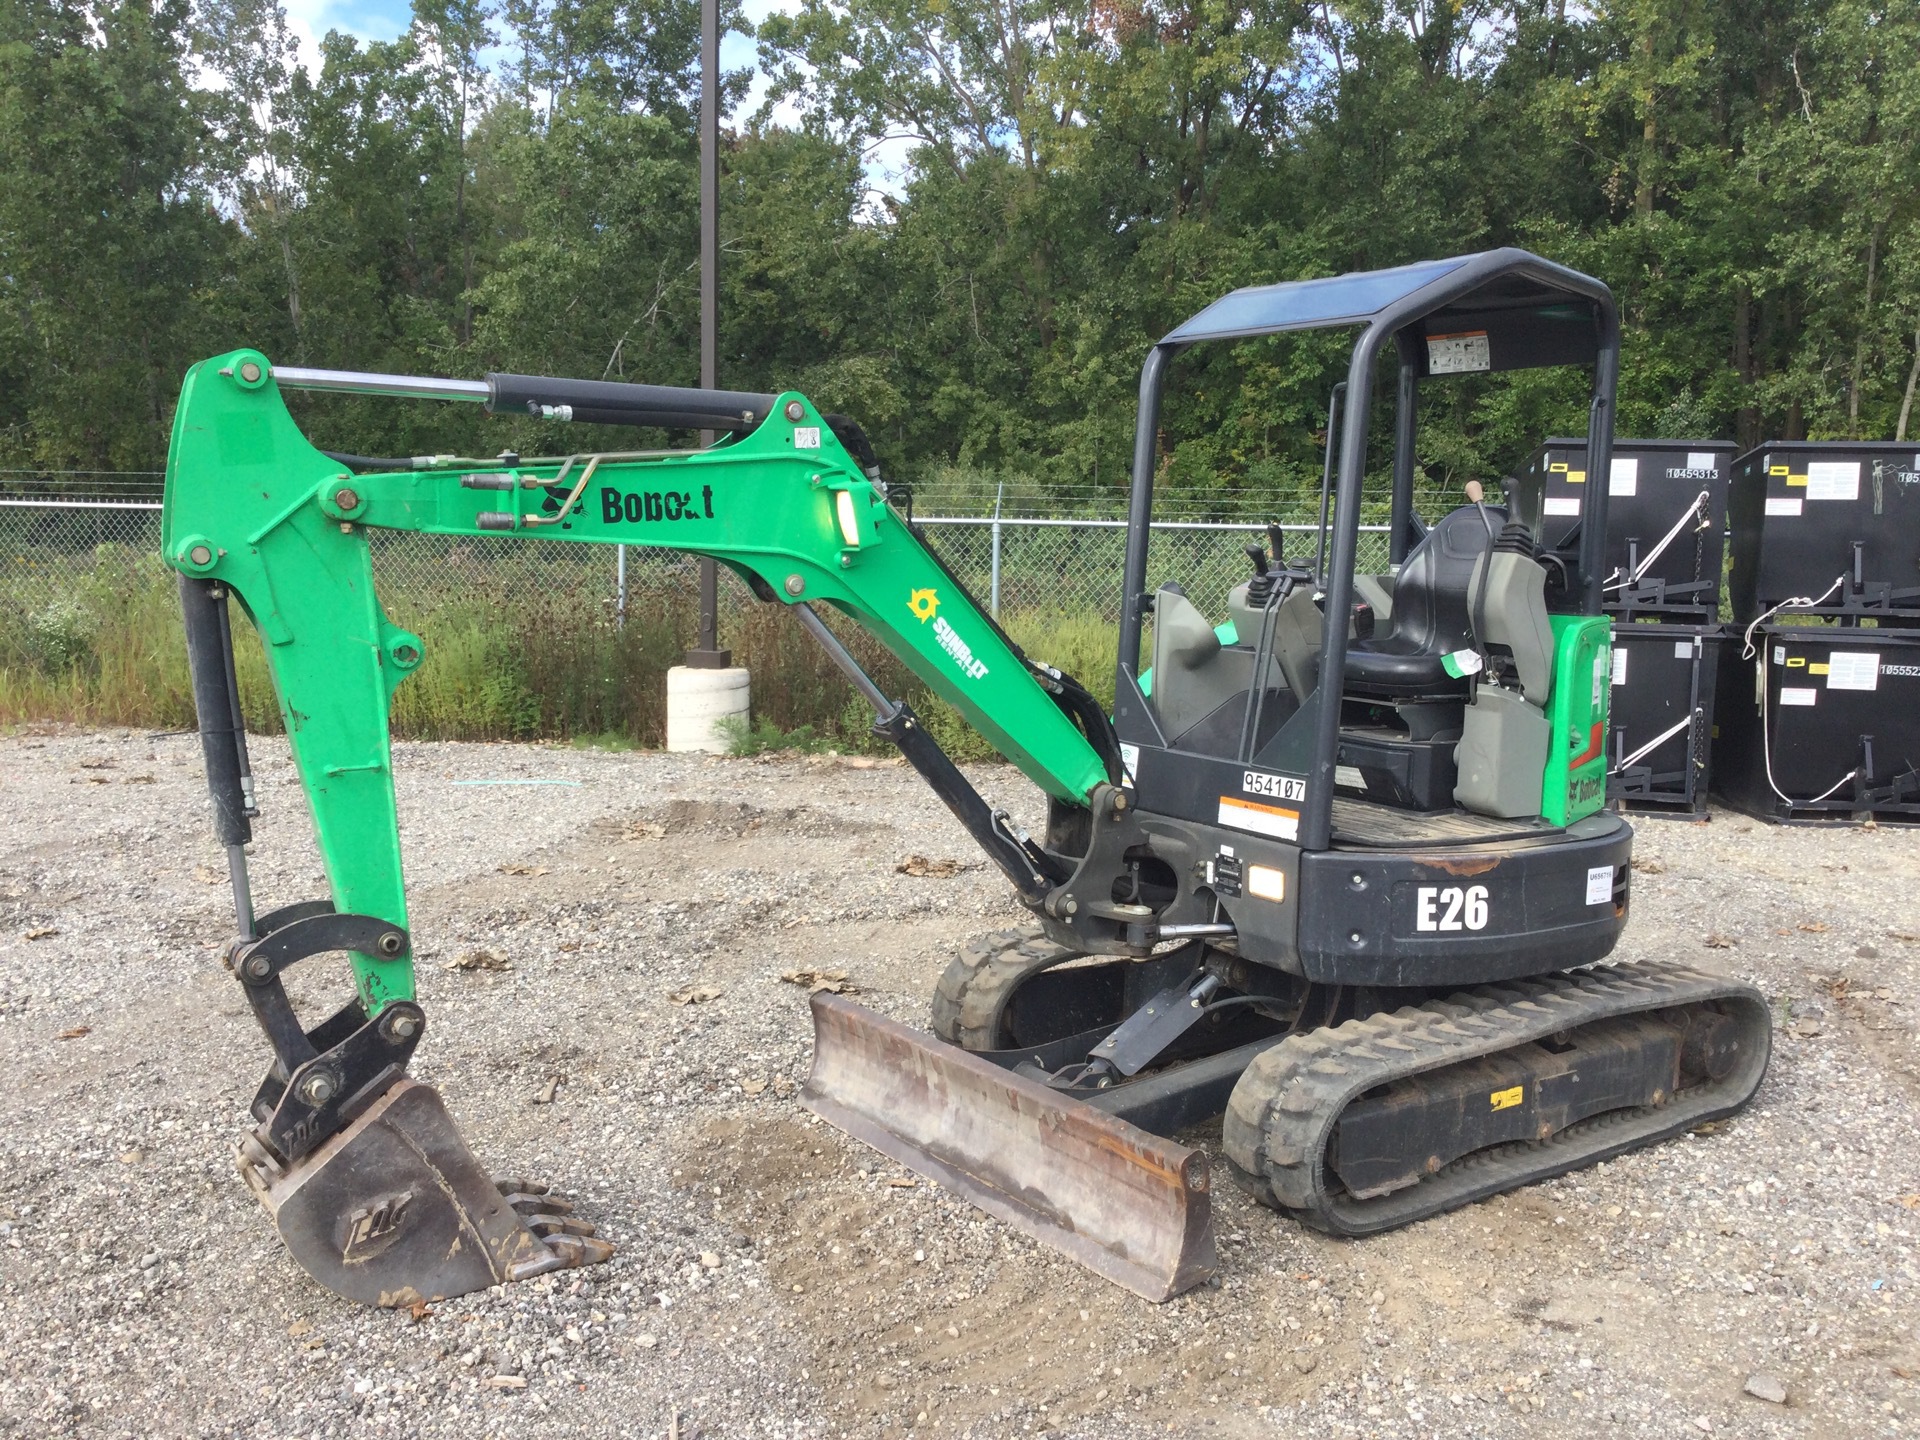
365	1174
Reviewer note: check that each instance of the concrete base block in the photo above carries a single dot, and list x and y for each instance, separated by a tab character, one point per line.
698	700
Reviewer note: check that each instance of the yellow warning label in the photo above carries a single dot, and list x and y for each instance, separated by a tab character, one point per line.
1576	477
1793	660
1776	469
1819	669
1507	1099
1800	480
1559	465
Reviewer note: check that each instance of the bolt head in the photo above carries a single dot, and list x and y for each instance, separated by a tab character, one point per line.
317	1088
403	1027
200	555
259	967
346	498
796	585
795	410
391	943
250	371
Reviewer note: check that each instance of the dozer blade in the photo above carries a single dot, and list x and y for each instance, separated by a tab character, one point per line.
1127	1204
394	1210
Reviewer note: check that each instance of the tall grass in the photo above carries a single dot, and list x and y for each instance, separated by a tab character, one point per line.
552	665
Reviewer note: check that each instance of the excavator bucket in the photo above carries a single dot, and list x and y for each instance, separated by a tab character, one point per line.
1125	1203
394	1210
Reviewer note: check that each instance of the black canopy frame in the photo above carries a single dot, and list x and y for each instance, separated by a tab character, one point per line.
1513	309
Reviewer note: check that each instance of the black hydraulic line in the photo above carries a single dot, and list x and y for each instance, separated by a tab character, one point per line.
368	462
854	440
248	805
1025	864
222	746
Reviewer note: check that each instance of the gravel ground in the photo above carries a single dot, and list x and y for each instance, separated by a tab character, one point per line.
773	1279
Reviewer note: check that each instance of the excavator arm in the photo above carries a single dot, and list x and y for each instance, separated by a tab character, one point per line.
368	1180
253	509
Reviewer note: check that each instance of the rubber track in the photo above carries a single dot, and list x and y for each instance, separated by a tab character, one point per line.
1281	1117
973	993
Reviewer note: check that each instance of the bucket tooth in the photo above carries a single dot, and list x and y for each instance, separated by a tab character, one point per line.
1127	1204
394	1210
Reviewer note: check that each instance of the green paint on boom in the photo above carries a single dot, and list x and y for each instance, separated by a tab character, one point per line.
251	503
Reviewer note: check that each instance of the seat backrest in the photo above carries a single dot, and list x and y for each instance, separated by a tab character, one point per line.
1430	594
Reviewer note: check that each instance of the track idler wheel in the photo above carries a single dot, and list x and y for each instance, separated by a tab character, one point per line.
971	1002
394	1209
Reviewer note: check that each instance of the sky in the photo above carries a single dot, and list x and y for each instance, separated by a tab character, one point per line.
387	19
887	162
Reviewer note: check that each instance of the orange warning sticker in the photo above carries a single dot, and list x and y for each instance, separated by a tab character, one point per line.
1274	820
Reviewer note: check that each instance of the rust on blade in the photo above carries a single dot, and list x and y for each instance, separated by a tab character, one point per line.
1125	1203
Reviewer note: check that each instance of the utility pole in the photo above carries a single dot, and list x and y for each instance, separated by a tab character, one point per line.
707	654
707	694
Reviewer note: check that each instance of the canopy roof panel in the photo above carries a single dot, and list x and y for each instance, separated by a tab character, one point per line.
1502	309
1305	304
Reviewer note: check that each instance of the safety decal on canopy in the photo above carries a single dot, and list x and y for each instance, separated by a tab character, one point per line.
1458	354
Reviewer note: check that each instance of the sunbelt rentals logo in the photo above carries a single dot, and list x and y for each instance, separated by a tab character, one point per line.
925	605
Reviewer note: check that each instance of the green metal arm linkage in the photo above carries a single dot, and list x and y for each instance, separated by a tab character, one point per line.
251	504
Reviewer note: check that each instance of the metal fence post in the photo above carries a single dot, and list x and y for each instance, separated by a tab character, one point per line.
993	588
620	587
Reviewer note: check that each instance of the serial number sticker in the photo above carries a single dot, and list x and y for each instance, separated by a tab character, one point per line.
1271	820
1277	787
1778	506
1507	1099
1458	354
1798	695
1600	885
1562	505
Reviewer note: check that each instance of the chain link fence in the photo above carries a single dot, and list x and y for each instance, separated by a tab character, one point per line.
103	533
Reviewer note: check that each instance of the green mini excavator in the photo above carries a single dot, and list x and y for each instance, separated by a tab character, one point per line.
1336	866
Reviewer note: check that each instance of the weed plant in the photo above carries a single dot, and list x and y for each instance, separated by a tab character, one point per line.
553	664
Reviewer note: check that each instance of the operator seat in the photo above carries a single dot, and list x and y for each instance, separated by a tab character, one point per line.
1430	615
